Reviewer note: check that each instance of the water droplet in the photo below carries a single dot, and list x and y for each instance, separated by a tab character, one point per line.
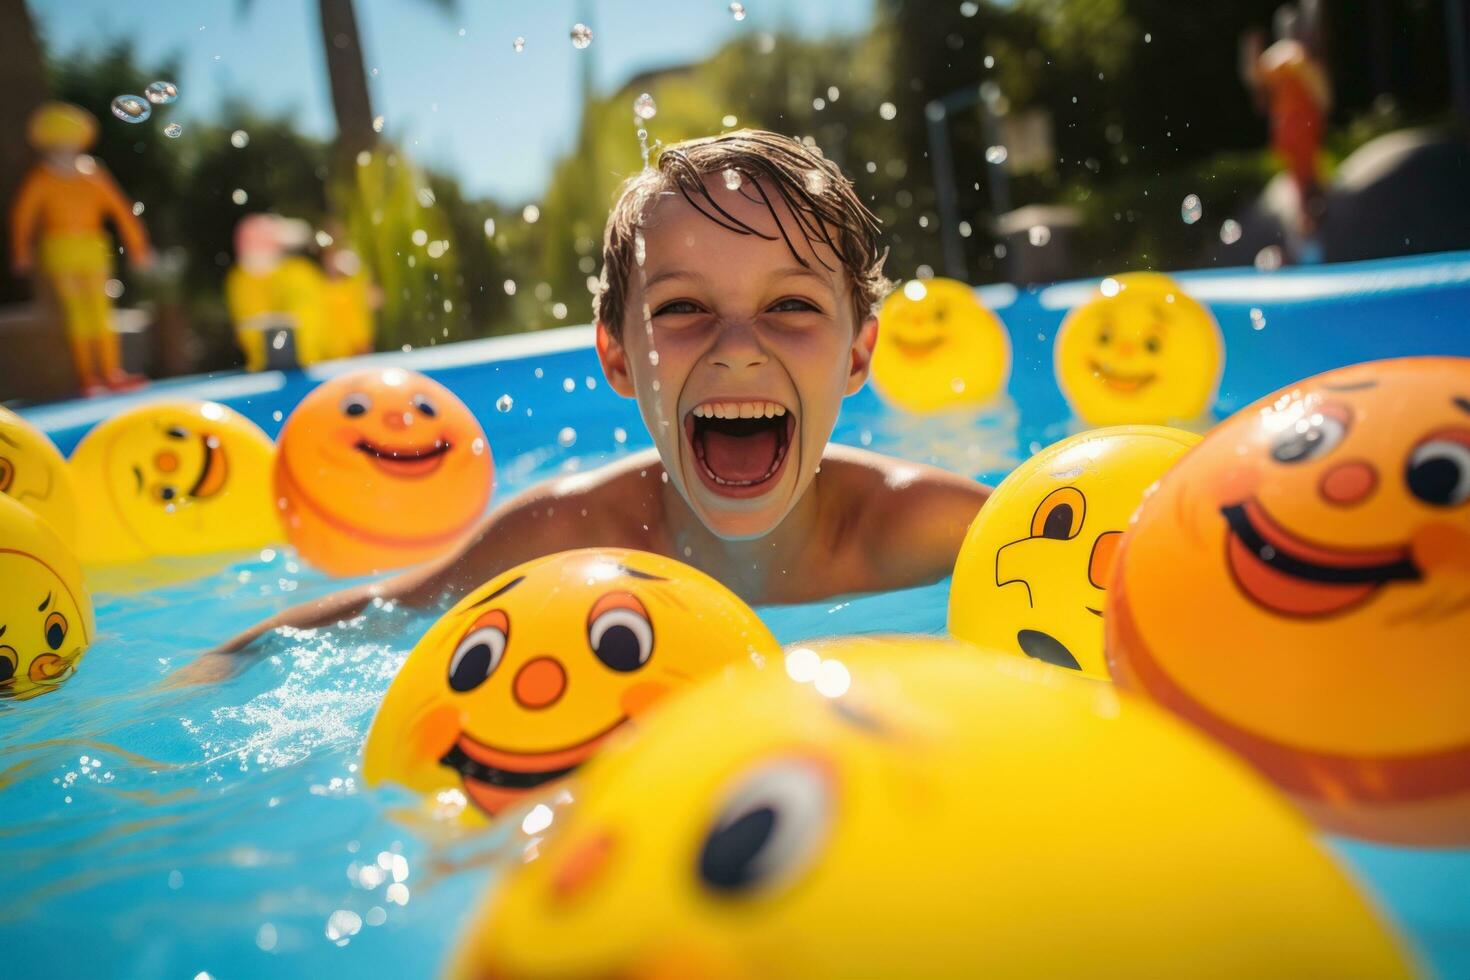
568	385
644	107
996	155
732	179
1230	231
559	310
1039	235
131	108
1258	318
531	213
239	196
173	131
137	207
729	122
265	937
914	290
815	181
519	44
1268	259
377	124
640	247
990	61
653	358
969	8
887	110
343	923
620	435
239	139
1191	210
581	36
162	93
566	437
737	10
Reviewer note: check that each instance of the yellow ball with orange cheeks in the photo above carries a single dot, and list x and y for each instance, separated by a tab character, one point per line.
379	469
46	621
525	678
1141	351
1032	574
171	479
939	347
33	473
905	807
1299	587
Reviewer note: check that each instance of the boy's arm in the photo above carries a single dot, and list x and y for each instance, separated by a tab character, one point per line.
918	523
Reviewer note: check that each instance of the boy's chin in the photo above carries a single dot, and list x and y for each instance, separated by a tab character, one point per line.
737	519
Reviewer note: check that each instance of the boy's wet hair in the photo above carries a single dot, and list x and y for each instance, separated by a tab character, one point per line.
826	207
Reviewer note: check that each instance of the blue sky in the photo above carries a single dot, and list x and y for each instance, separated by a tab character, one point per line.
449	85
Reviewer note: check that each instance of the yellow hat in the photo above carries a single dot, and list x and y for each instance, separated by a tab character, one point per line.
61	126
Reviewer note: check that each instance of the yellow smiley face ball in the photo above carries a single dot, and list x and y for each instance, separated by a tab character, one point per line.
939	347
46	621
174	478
524	679
908	807
34	474
1142	351
1031	578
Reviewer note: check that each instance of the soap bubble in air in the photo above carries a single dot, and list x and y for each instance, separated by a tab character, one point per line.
131	108
1191	210
581	36
644	107
162	93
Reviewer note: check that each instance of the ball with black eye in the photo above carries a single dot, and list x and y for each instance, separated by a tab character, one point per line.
356	404
1152	345
770	828
175	432
1311	438
9	660
55	630
1105	338
622	639
424	406
1438	471
166	493
476	657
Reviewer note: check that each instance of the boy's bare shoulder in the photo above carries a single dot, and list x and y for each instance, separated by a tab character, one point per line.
611	506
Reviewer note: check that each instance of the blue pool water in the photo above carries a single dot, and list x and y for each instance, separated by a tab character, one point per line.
155	831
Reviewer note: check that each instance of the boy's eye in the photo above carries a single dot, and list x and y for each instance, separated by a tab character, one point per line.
679	307
794	304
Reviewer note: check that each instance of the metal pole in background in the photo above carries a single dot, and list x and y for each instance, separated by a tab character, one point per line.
945	195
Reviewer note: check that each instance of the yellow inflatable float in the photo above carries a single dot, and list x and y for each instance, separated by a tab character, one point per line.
46	620
939	347
34	474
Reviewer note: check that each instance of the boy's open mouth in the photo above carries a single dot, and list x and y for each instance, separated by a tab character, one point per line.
740	446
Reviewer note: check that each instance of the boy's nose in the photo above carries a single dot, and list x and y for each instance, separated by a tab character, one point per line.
737	348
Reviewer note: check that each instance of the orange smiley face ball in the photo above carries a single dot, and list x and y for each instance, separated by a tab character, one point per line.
526	677
380	469
1299	588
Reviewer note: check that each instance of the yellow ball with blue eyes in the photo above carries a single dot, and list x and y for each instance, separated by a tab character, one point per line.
939	347
1032	574
46	621
34	474
174	478
531	673
907	807
1141	351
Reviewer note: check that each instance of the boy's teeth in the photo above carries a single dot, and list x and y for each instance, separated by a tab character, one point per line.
739	410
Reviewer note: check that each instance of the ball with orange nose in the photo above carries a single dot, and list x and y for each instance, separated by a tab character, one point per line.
1299	588
526	677
379	469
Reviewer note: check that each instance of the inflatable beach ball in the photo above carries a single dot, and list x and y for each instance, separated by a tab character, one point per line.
1140	351
379	469
939	347
34	474
46	620
527	677
906	807
1032	574
1299	588
173	478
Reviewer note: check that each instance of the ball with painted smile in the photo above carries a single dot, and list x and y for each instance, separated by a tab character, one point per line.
379	469
524	680
46	620
1032	575
172	479
34	474
1299	587
939	347
1141	351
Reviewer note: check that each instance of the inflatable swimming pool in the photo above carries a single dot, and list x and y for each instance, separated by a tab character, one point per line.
221	830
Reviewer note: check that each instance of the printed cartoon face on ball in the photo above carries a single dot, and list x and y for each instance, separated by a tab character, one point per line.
46	621
173	478
1032	575
1299	587
34	474
524	680
885	807
379	469
939	347
1141	351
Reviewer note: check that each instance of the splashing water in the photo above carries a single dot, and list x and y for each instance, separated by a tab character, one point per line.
173	131
1230	231
162	93
581	36
519	45
737	10
1191	210
131	108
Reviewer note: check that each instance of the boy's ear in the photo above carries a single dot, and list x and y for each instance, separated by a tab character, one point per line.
614	360
861	354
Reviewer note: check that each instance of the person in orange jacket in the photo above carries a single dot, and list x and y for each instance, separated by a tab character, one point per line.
57	229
